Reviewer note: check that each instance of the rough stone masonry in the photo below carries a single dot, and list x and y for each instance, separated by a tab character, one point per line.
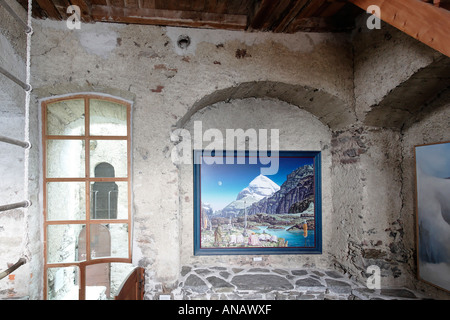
256	283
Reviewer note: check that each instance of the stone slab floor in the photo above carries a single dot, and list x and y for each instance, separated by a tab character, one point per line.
222	283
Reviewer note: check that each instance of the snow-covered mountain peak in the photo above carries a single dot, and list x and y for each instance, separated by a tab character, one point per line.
260	187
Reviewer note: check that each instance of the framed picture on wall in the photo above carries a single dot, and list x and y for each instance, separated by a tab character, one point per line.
433	213
257	202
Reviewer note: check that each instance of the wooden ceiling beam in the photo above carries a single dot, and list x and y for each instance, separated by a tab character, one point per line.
264	10
49	8
332	8
149	4
311	9
438	3
424	22
169	17
443	4
277	14
85	9
290	16
36	10
61	6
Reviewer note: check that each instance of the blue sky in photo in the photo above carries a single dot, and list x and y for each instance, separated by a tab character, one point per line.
434	160
221	183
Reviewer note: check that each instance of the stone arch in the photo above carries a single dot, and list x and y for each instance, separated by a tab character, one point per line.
412	99
257	113
331	110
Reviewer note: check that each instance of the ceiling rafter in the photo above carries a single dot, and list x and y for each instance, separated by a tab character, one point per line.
168	17
423	21
426	20
256	15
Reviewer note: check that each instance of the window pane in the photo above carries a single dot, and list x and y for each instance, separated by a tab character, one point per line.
119	273
107	118
109	200
65	158
112	152
62	283
100	241
109	240
119	236
98	277
63	243
66	118
104	280
66	201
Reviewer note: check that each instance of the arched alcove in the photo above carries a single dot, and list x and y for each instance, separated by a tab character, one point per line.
298	130
412	99
331	110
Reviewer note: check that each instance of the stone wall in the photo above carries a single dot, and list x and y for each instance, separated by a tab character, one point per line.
144	65
267	283
318	89
13	223
372	204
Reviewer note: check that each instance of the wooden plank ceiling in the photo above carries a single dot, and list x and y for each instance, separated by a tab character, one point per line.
265	15
426	20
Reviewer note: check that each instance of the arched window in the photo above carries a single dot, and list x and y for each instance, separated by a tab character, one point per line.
104	194
87	196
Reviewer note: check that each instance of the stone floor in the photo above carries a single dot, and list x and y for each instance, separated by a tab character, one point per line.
221	283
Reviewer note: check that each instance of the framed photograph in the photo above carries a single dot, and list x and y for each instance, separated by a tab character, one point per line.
433	213
257	202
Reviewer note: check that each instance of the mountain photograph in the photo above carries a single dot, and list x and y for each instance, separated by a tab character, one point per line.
433	213
241	208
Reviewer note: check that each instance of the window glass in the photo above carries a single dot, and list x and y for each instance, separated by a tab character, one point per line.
103	280
86	179
66	201
109	200
65	159
66	118
62	283
119	240
107	118
113	152
63	243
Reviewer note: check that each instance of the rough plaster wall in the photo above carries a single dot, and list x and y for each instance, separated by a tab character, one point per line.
384	59
12	58
347	196
298	130
432	128
368	199
13	224
382	228
143	64
144	67
368	195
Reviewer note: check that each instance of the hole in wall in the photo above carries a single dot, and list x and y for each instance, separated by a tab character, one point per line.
183	41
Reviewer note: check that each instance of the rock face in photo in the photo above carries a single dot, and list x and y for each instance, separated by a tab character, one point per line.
259	188
298	187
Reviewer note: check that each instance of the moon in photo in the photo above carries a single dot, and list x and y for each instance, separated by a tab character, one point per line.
219	183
